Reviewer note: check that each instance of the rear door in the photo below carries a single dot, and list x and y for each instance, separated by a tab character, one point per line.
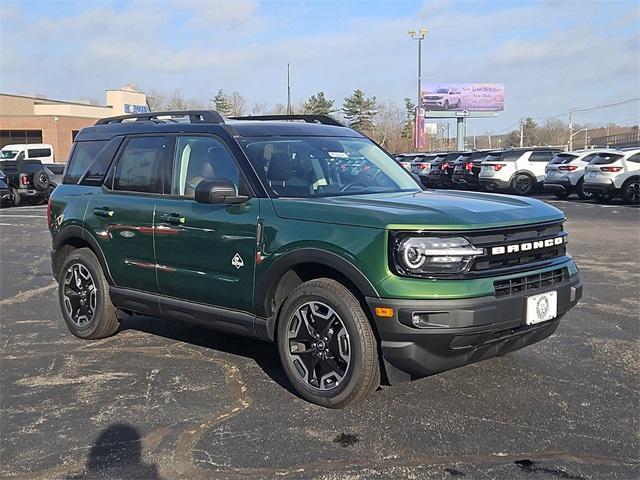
205	252
120	214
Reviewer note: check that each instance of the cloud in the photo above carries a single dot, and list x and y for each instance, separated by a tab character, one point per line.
551	56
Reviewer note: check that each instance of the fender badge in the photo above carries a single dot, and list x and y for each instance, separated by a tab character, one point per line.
237	261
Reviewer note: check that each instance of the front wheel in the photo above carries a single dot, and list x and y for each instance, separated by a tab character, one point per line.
522	184
326	345
83	293
580	191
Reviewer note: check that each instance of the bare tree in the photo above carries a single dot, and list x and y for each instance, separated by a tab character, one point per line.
387	131
156	100
177	101
238	104
259	108
278	109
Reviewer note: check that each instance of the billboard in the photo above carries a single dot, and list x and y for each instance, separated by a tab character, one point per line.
457	97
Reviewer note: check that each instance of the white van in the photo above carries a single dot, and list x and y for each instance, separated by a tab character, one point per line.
31	151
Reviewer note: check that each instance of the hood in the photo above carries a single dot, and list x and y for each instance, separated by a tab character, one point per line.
434	210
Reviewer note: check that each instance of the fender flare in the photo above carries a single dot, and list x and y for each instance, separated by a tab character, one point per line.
76	231
282	264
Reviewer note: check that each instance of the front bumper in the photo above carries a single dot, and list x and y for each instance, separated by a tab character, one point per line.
454	333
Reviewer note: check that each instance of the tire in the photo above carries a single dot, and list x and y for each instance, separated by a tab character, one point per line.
345	379
16	197
446	105
581	193
522	184
80	276
631	191
41	180
561	194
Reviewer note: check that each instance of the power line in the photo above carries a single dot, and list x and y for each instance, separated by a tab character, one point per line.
598	107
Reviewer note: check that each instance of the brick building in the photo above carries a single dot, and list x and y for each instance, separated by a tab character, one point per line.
25	119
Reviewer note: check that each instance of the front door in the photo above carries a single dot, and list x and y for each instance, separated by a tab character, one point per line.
205	252
120	214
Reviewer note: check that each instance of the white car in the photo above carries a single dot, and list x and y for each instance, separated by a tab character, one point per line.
405	159
613	173
443	98
565	173
31	151
517	170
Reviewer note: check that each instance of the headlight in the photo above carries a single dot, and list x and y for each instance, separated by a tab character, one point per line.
419	256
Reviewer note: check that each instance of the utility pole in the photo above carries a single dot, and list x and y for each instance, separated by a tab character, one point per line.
475	147
521	133
570	129
289	112
586	137
419	36
489	135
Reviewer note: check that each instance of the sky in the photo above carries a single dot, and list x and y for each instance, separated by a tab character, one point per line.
551	55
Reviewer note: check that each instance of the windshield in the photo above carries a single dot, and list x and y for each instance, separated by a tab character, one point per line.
309	167
8	154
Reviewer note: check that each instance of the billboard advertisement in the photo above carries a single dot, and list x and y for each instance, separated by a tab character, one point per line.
457	97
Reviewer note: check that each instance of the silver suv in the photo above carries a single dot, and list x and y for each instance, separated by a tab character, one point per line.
613	173
565	173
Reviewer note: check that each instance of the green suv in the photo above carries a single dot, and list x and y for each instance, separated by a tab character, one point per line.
303	232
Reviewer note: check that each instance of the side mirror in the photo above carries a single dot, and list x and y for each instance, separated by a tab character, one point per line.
219	190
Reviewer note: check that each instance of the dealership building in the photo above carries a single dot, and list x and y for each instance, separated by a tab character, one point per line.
37	119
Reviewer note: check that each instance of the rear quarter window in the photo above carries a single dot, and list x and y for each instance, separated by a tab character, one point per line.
82	156
39	152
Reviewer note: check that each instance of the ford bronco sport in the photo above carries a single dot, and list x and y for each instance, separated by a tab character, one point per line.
245	225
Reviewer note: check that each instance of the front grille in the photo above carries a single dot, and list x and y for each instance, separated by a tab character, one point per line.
517	285
493	263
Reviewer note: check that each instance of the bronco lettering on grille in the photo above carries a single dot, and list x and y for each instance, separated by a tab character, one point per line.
523	247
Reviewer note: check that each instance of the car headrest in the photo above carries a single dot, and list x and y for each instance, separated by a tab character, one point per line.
280	167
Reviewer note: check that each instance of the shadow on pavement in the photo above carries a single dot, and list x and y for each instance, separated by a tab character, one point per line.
117	453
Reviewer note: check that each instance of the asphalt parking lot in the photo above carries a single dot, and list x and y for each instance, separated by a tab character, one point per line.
171	400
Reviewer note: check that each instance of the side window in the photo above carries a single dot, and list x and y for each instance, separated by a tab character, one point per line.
200	158
39	152
540	157
588	158
140	165
635	158
81	157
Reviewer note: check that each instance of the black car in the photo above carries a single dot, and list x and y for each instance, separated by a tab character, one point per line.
466	169
6	197
28	180
442	170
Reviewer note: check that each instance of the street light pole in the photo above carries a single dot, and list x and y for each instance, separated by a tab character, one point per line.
419	36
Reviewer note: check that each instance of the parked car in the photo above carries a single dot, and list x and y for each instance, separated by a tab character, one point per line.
443	98
517	170
421	166
6	196
238	224
614	173
405	159
565	173
441	170
31	151
466	169
28	180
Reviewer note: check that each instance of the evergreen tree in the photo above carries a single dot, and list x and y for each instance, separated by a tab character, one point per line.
409	124
318	104
360	110
222	104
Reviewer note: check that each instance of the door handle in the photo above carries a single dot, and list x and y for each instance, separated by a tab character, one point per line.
103	212
172	218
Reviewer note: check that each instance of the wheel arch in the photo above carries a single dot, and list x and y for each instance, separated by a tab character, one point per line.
298	266
71	238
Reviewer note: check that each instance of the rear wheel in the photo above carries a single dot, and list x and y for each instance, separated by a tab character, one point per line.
326	345
522	184
83	293
631	191
580	191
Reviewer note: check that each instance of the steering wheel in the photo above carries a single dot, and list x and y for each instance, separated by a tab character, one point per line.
351	185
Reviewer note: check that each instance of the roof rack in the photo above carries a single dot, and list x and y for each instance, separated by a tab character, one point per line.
195	116
323	119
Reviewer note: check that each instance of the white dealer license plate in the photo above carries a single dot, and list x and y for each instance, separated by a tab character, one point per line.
592	174
541	308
